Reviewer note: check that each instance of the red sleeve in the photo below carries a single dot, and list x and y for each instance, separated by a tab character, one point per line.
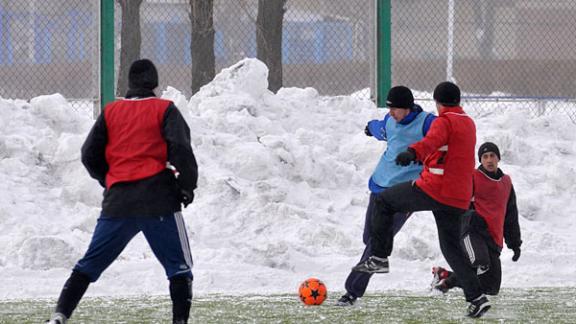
436	137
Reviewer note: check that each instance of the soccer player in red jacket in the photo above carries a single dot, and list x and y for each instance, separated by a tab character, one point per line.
444	187
139	151
493	218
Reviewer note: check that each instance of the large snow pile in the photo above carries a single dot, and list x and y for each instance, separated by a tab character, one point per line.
281	195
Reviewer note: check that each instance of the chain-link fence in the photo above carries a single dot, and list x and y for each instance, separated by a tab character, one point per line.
326	44
49	47
498	51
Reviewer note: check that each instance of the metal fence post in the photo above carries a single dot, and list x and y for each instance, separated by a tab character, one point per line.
450	45
383	51
106	52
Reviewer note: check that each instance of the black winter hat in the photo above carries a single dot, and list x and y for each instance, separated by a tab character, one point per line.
488	147
400	97
447	94
143	75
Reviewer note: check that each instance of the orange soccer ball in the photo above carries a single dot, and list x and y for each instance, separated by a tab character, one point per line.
312	291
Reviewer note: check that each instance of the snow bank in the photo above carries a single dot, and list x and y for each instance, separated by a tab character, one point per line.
282	194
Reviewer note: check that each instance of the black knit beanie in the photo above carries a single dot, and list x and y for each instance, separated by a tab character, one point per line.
400	97
143	75
447	94
488	147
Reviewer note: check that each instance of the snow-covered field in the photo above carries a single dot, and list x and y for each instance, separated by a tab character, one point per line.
281	196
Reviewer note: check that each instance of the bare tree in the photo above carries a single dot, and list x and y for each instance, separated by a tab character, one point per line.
202	43
131	40
484	16
229	22
269	39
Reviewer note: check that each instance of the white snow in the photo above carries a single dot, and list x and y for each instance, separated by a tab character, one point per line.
281	196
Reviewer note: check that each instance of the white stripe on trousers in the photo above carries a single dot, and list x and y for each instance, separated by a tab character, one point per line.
183	238
469	249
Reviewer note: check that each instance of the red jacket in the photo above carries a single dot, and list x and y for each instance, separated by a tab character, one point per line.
136	148
447	152
491	202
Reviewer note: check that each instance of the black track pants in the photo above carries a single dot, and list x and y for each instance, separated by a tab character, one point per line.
406	197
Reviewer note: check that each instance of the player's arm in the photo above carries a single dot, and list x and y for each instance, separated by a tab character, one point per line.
436	137
511	226
94	151
176	132
377	128
428	123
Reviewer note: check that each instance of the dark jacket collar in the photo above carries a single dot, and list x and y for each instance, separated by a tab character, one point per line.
412	115
492	175
139	93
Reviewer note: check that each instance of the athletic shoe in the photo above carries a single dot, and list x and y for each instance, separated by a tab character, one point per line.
57	318
479	306
439	280
373	264
346	300
482	269
441	286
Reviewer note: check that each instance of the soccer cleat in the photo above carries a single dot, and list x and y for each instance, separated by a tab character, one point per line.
346	300
57	318
440	286
373	264
439	280
478	306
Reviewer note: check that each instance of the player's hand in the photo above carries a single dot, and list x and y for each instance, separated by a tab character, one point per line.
516	255
367	131
406	157
186	197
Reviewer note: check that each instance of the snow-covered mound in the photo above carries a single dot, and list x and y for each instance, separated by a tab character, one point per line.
281	195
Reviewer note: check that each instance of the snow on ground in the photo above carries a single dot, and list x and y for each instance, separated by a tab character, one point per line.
281	195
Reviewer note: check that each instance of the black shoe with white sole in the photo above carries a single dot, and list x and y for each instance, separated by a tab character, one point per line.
479	306
373	264
57	318
346	300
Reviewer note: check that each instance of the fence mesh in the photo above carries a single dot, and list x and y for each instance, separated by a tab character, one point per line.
326	44
49	47
498	51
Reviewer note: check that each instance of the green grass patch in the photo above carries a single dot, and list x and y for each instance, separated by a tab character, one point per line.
536	305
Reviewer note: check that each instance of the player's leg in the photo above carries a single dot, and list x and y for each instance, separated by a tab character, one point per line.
491	280
448	222
357	282
73	290
474	236
109	239
404	197
168	240
181	296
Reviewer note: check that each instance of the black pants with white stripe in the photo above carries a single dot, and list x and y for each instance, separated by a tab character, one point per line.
406	197
482	252
490	280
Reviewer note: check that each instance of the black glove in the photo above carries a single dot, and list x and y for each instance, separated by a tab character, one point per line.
367	131
406	157
186	197
516	255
